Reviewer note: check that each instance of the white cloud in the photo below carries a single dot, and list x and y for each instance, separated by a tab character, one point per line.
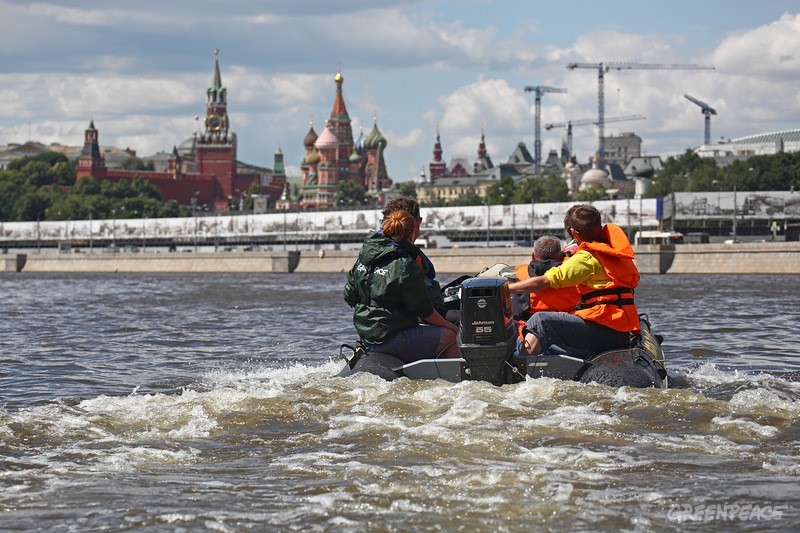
772	51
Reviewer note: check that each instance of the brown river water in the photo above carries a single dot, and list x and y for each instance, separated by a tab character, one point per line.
212	402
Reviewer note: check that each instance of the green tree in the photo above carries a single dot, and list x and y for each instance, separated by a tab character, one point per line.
407	188
134	163
548	189
502	192
593	193
253	190
689	172
470	197
86	186
349	193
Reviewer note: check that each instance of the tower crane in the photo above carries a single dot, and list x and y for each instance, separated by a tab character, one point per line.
539	90
707	111
604	67
586	122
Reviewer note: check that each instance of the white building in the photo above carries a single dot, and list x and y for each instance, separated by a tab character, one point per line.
744	147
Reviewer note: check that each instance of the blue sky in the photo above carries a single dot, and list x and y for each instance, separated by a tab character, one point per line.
140	68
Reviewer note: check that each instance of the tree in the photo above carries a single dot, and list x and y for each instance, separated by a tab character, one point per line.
502	192
470	198
689	172
407	188
86	186
544	190
349	193
134	163
249	200
593	193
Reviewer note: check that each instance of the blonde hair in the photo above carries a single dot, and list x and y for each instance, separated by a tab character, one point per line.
398	225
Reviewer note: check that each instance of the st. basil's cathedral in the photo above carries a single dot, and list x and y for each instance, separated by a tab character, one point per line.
333	157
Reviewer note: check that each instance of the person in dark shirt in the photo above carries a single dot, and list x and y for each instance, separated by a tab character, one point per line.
547	254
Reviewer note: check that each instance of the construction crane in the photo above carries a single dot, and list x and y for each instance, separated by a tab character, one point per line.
586	122
604	67
707	111
539	90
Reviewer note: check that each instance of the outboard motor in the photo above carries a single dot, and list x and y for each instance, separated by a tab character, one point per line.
487	333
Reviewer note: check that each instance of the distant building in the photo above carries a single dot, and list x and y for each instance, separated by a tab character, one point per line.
725	152
622	148
205	172
449	183
333	157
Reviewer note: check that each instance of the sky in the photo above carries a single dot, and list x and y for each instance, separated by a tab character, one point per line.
139	69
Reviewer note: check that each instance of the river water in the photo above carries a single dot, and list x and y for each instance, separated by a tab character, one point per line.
212	402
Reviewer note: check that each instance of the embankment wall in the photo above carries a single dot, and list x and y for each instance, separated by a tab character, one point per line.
739	258
164	262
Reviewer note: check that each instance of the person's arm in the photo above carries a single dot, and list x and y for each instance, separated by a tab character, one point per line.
533	284
436	319
350	292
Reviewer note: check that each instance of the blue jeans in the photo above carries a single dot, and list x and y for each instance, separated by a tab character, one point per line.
412	344
566	334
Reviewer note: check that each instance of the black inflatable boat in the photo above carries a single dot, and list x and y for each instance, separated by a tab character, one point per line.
487	339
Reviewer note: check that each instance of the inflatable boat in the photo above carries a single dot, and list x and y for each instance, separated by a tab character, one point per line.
487	339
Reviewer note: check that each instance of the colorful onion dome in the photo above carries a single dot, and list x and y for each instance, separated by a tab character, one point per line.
359	144
310	138
326	140
313	158
374	139
354	157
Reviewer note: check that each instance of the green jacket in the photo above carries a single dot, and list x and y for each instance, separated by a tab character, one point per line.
397	296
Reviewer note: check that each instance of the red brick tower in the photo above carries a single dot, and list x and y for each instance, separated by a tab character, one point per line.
216	145
437	167
91	163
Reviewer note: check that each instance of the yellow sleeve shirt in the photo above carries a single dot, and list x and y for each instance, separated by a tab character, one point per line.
582	268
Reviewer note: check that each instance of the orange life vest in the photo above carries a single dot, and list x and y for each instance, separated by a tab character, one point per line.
550	299
612	306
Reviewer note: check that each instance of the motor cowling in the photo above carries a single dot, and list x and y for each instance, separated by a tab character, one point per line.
487	333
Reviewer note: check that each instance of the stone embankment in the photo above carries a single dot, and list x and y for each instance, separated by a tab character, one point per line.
739	258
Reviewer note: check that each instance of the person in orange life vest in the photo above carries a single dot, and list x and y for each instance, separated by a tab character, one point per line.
547	254
603	270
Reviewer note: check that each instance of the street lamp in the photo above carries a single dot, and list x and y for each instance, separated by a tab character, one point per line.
216	231
194	210
488	214
733	232
640	215
38	232
113	229
133	214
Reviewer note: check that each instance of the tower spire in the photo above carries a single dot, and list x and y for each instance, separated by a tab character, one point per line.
216	83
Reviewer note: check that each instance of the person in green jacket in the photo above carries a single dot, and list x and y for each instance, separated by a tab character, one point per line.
410	204
387	289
